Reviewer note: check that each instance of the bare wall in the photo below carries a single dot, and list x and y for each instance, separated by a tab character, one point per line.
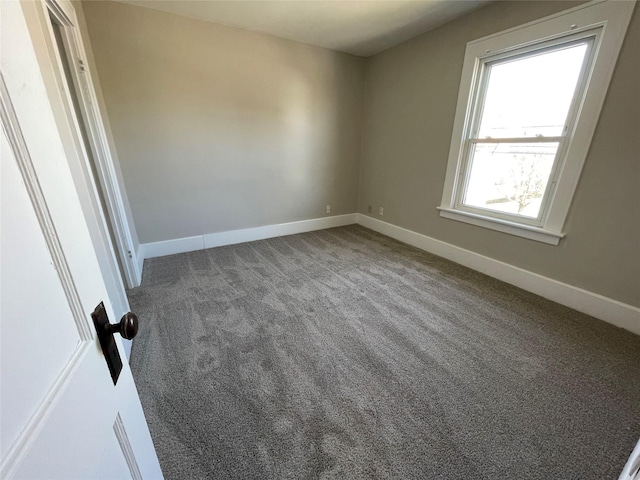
410	101
220	129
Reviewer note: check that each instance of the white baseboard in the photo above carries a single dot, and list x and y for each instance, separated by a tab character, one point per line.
611	311
210	240
170	247
279	230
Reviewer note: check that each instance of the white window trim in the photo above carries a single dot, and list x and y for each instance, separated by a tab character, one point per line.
612	17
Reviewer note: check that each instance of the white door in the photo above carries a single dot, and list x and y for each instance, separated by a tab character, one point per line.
61	414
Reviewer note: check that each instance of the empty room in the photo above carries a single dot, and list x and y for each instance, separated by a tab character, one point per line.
337	239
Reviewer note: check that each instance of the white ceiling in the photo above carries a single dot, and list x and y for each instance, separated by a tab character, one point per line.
359	27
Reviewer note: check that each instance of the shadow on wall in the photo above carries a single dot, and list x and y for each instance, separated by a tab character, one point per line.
220	129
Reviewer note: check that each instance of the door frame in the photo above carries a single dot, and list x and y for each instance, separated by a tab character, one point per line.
107	178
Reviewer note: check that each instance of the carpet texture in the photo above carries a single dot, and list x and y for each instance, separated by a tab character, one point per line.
345	354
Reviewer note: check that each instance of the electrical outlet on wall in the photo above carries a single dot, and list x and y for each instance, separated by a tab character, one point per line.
327	209
381	211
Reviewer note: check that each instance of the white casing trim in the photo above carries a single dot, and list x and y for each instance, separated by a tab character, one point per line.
140	266
598	306
520	230
104	162
210	240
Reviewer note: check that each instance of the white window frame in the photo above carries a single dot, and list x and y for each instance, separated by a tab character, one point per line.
606	22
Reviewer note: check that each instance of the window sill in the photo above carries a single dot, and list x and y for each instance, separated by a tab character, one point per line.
526	231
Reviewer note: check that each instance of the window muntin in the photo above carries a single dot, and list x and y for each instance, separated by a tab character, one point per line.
523	110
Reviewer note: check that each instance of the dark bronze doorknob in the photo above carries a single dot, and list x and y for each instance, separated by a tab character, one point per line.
127	327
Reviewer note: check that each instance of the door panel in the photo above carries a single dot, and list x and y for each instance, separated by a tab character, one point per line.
50	386
60	409
24	253
113	464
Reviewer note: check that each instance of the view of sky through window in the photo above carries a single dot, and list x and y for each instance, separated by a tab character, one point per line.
526	97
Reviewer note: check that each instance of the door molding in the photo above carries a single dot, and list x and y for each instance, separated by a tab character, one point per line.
65	14
12	130
127	450
16	141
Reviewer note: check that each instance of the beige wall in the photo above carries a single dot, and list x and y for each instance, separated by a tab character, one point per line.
411	96
86	41
219	129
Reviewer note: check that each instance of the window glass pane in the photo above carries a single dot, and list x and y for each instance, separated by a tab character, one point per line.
531	96
510	177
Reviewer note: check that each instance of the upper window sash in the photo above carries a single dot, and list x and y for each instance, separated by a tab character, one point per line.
485	64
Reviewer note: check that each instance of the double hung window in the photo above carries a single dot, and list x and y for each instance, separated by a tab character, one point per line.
527	108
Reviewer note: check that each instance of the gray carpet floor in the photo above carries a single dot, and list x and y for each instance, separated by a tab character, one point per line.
345	354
